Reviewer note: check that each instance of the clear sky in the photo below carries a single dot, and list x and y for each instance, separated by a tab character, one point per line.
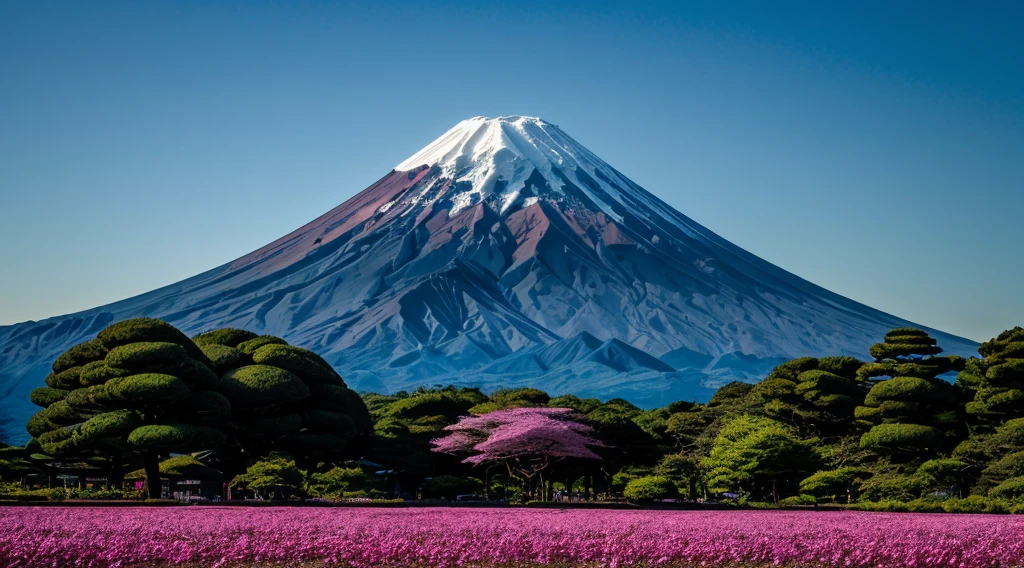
874	148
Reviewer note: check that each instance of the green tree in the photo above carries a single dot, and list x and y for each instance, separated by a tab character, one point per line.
140	387
817	396
758	456
275	477
650	488
994	386
913	413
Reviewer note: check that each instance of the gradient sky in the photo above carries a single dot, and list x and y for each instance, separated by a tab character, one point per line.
874	148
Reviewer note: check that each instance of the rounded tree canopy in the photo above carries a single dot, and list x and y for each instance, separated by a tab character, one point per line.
228	337
909	389
650	488
902	439
791	369
1006	373
62	441
61	413
249	347
175	437
263	385
143	354
67	379
996	346
147	329
841	365
181	466
45	396
39	424
147	389
88	399
1011	489
109	425
98	373
79	355
224	358
303	363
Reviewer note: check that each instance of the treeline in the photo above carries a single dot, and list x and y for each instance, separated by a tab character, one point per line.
894	431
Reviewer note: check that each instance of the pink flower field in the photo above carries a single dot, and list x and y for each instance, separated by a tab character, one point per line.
365	537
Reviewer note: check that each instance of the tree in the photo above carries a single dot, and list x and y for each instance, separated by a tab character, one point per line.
451	486
650	488
284	398
141	386
759	456
526	440
994	386
914	412
276	477
817	396
831	485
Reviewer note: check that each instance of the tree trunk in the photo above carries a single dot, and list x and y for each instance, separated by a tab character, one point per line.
152	467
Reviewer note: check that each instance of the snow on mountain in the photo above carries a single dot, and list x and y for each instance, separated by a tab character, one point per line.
503	254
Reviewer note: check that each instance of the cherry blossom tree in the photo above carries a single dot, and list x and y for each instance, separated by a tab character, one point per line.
526	440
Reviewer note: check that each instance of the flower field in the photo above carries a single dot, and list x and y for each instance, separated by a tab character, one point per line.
365	537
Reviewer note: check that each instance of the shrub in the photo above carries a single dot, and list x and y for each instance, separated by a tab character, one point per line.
109	424
975	504
98	373
45	396
301	362
170	437
650	488
228	337
802	500
249	347
67	379
79	355
902	438
148	388
1012	489
260	385
144	353
147	329
224	358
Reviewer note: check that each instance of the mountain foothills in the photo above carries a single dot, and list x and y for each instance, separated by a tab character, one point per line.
271	419
502	255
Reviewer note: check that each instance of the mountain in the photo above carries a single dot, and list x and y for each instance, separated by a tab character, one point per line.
503	254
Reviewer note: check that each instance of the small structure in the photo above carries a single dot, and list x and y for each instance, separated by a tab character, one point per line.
186	479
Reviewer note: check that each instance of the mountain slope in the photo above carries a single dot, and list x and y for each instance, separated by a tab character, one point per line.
502	254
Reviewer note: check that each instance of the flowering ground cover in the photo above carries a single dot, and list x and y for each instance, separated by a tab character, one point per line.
364	537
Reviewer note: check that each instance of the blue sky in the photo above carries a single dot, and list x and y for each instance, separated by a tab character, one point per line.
873	148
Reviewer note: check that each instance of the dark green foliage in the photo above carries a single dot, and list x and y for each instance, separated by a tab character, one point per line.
912	439
148	389
274	476
224	358
1012	489
274	428
300	362
836	485
650	488
843	366
109	425
999	344
228	337
147	330
89	400
67	379
62	441
581	405
80	355
263	385
39	425
451	486
61	413
512	398
145	354
45	396
174	437
730	393
98	373
249	347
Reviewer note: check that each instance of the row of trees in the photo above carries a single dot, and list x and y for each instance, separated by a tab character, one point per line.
831	429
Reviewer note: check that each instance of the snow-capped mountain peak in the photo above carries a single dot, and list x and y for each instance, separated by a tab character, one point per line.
495	159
